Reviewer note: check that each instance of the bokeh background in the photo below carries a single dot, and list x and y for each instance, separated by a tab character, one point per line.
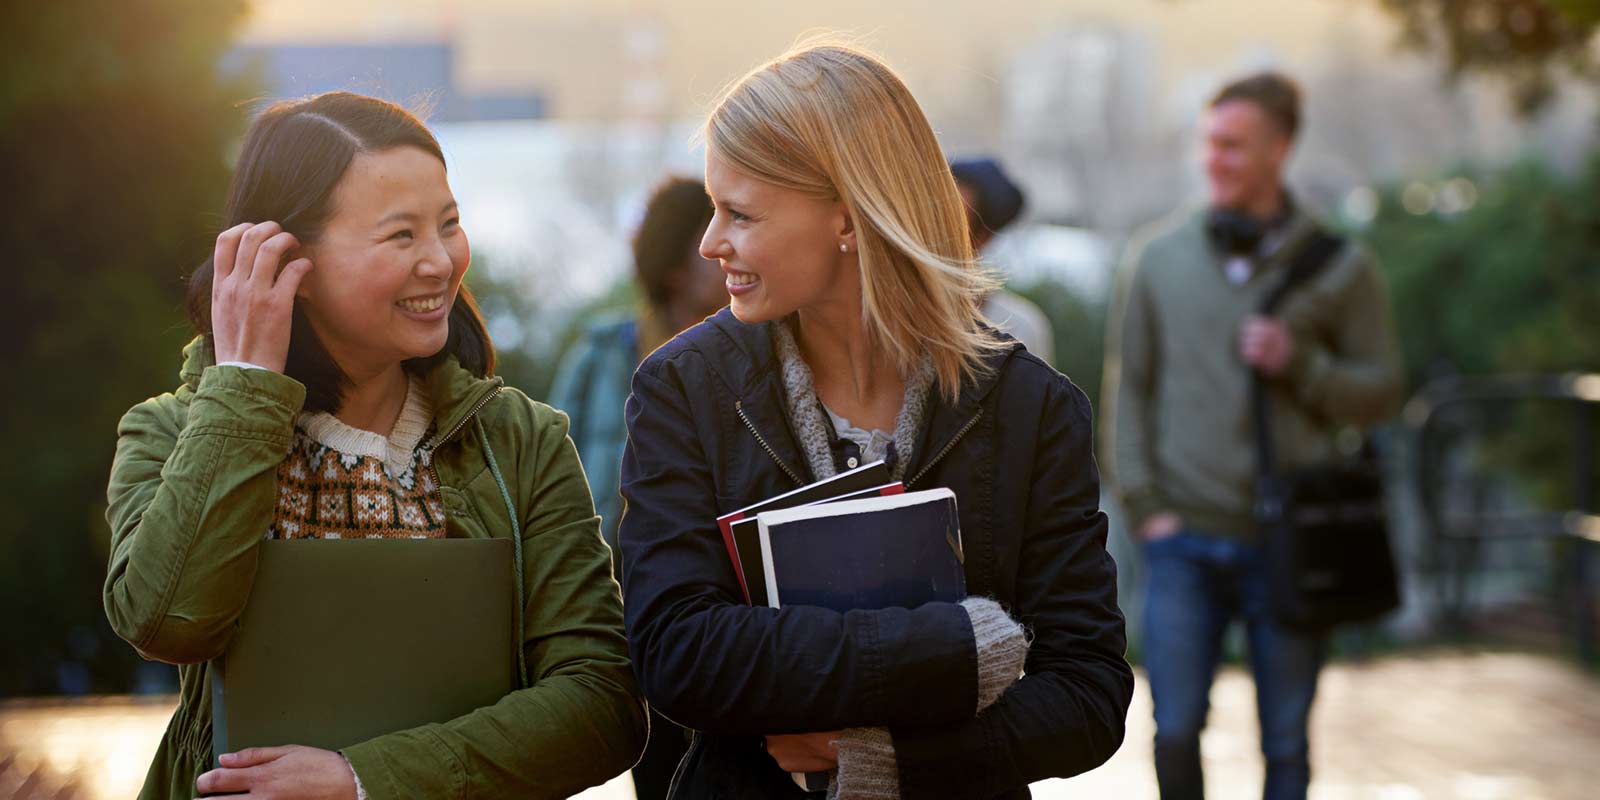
1456	138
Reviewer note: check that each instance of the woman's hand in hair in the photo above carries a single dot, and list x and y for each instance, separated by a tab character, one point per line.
252	302
805	752
286	773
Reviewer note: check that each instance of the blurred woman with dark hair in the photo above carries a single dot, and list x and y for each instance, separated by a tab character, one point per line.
341	356
679	289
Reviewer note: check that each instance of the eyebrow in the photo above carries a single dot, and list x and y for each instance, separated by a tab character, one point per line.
407	216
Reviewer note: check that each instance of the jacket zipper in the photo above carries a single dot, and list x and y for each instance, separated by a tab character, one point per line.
947	448
438	440
738	405
683	765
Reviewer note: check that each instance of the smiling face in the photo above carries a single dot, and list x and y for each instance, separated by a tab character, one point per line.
1244	154
389	263
780	248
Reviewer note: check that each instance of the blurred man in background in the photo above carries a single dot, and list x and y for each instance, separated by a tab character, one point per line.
993	202
1185	337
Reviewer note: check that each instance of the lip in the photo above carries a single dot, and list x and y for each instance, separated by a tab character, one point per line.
426	316
736	290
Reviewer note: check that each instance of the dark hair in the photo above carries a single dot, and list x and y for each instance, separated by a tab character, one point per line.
292	158
675	216
1272	92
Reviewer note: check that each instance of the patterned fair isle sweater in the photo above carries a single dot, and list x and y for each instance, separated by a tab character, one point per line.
340	482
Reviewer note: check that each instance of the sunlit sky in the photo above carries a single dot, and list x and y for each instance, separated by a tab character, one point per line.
697	45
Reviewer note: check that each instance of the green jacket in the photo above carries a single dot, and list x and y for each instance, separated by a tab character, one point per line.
1177	406
192	491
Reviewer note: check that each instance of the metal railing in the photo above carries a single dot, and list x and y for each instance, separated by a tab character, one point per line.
1450	412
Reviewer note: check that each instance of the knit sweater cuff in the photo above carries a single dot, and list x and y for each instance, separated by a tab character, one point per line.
867	766
1002	647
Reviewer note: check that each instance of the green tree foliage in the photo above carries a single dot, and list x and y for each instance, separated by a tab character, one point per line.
1079	326
1509	286
113	136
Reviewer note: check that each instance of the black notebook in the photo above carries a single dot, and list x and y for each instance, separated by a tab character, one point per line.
883	552
866	476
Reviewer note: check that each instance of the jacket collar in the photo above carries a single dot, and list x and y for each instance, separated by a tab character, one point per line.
456	393
742	357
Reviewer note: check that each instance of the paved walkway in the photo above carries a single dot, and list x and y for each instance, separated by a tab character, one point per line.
1448	726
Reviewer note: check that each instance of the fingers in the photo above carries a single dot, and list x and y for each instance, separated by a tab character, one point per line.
269	256
249	244
220	781
227	249
254	235
289	281
253	756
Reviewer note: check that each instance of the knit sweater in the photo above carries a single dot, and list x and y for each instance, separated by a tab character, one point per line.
341	482
1177	390
867	767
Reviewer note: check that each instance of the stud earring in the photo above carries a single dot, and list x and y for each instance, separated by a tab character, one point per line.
844	248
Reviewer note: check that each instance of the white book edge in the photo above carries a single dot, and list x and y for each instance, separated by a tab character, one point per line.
798	490
865	505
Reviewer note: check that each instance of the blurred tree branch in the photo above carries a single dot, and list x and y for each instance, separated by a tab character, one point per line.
1526	43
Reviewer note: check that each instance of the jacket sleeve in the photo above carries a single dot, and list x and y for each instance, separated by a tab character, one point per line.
1353	377
581	720
1130	388
708	661
1066	714
189	499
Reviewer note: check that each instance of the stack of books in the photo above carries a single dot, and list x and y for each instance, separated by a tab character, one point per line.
854	541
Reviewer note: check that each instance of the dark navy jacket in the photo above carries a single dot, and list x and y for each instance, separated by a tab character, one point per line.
708	434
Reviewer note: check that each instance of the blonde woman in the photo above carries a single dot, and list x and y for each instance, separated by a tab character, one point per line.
854	334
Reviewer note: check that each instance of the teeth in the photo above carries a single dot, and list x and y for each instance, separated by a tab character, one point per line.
741	279
423	305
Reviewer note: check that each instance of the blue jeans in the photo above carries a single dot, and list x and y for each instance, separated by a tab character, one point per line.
1198	584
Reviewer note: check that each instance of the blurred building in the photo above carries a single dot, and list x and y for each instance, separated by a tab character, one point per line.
418	75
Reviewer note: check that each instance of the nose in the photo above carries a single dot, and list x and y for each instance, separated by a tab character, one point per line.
434	261
713	245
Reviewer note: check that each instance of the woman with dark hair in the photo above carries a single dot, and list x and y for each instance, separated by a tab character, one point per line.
340	357
679	288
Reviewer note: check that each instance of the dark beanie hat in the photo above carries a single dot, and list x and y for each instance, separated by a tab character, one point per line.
998	200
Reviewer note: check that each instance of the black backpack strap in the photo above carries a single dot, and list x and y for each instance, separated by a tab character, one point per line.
1312	256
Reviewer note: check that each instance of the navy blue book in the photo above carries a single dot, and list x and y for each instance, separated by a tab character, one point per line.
902	550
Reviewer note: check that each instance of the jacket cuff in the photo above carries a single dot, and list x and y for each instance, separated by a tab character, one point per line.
389	765
868	769
243	400
361	791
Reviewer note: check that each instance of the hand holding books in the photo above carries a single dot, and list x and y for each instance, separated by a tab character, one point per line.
854	541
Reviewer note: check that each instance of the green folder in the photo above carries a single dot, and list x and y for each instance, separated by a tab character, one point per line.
344	640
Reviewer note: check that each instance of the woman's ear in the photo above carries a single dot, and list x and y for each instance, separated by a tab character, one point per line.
845	230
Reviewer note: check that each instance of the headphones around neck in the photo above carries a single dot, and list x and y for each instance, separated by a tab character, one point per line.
1235	233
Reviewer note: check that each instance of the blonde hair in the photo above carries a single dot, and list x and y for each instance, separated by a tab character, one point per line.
836	123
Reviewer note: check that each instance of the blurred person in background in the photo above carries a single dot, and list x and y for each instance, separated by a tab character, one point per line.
340	355
1185	336
854	334
993	202
680	288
